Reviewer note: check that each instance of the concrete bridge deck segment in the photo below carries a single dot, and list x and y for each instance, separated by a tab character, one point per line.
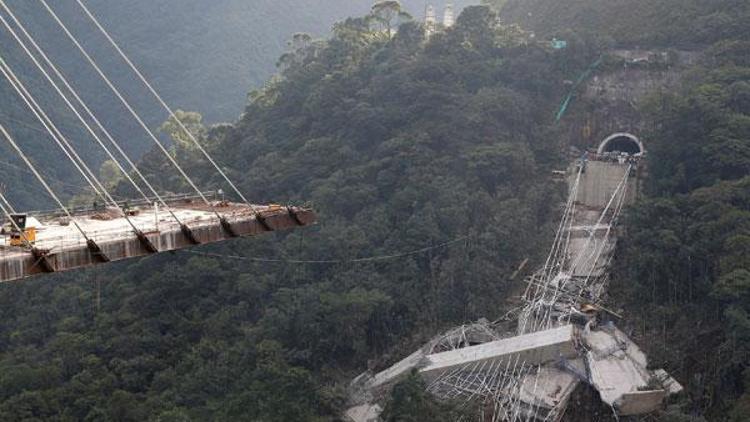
530	349
59	246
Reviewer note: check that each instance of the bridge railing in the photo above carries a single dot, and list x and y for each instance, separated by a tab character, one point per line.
171	199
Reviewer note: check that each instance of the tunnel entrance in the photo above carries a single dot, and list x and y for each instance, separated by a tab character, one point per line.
621	142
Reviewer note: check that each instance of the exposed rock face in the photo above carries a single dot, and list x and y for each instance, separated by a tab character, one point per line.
612	98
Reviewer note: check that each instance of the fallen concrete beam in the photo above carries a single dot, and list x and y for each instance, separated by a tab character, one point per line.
397	371
532	349
639	402
618	371
670	384
549	388
364	413
64	248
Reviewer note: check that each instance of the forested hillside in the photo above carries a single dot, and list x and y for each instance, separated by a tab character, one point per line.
400	144
683	269
634	23
202	56
434	157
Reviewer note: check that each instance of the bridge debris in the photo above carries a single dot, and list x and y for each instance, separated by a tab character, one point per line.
534	349
563	338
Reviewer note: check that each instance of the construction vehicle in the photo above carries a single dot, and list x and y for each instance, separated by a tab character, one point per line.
17	238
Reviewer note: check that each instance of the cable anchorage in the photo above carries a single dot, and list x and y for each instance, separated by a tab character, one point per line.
295	217
146	242
189	234
96	251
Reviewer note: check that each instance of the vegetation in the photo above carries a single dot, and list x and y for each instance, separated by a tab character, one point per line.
201	57
683	266
402	143
634	23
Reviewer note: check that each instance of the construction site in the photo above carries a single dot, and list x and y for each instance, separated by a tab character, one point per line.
527	365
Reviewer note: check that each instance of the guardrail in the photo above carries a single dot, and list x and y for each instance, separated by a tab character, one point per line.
124	203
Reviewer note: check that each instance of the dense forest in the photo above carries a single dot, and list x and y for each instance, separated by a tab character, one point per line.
634	23
402	143
446	146
683	269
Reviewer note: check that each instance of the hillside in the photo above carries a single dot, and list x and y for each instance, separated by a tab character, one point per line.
450	141
435	157
683	269
207	57
635	23
200	57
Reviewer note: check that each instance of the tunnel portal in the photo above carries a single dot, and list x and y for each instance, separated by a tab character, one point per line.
622	142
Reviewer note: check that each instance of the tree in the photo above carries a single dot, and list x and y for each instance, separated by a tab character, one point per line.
182	142
110	175
410	402
496	5
299	49
387	15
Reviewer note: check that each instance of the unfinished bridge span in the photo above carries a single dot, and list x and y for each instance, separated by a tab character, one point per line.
527	366
112	230
58	246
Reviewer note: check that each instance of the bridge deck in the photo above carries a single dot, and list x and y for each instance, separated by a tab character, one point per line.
65	248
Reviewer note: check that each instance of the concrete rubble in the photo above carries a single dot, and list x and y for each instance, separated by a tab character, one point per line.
565	337
565	357
534	349
364	413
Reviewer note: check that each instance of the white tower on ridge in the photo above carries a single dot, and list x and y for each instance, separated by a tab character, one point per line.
448	18
430	20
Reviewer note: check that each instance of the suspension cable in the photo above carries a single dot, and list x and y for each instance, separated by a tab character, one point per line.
56	135
104	194
376	258
619	191
67	101
41	180
91	244
56	182
163	103
85	107
127	105
3	199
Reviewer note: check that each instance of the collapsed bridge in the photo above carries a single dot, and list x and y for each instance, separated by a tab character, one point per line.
527	366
